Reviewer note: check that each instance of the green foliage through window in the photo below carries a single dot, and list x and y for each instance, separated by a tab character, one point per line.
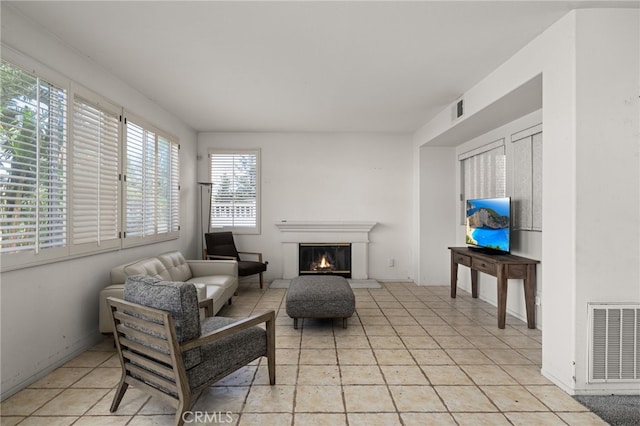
234	195
33	162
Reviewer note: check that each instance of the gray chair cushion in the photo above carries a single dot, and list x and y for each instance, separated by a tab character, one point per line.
178	298
226	355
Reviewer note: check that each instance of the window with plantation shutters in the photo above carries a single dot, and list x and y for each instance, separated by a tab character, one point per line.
33	166
151	184
235	190
77	176
94	176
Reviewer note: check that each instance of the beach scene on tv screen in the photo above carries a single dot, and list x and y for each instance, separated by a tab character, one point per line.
488	223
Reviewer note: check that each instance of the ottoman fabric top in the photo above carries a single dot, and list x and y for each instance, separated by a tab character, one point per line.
313	287
320	296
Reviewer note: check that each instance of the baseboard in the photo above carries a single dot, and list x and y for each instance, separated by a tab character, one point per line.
370	283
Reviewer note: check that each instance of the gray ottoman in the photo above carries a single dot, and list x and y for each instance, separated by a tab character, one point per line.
313	296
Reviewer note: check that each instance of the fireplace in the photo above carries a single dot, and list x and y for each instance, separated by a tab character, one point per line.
355	233
325	259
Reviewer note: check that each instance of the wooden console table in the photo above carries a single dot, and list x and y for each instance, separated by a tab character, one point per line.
502	266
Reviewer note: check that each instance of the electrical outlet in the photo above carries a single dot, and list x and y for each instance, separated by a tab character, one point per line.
392	262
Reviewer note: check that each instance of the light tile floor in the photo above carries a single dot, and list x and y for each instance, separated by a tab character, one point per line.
411	356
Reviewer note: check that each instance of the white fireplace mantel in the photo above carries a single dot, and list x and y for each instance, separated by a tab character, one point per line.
328	226
354	232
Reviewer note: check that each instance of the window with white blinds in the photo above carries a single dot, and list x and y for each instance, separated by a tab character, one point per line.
484	172
151	184
95	168
235	190
33	165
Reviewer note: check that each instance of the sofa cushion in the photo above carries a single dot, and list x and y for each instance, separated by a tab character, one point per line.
176	265
213	292
224	281
201	290
177	298
151	267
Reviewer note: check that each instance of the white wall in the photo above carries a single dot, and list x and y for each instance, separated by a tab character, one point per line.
438	203
607	167
49	313
327	176
589	63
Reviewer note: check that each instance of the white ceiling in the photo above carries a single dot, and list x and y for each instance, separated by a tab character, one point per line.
300	66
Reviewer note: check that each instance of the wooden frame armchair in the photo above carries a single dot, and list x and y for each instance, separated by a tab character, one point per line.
169	354
220	245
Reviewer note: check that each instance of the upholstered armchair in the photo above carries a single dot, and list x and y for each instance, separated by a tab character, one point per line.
220	245
166	350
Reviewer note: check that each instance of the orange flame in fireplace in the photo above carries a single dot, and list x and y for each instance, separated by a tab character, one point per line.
324	263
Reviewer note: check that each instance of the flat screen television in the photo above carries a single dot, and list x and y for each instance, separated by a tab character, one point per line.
488	223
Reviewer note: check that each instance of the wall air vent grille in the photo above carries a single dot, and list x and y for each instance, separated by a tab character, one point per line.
457	109
614	343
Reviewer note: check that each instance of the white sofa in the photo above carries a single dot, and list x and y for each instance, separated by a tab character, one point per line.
214	279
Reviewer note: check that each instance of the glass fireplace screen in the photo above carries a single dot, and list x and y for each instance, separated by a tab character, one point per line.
330	259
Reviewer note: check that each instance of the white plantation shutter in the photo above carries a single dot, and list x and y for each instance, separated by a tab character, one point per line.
33	167
151	185
168	203
94	175
163	191
149	180
175	188
235	190
19	177
138	182
52	208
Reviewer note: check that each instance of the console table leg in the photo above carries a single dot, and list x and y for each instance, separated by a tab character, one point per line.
530	295
454	276
502	296
474	283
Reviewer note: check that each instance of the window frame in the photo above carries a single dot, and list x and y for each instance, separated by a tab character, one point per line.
237	229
